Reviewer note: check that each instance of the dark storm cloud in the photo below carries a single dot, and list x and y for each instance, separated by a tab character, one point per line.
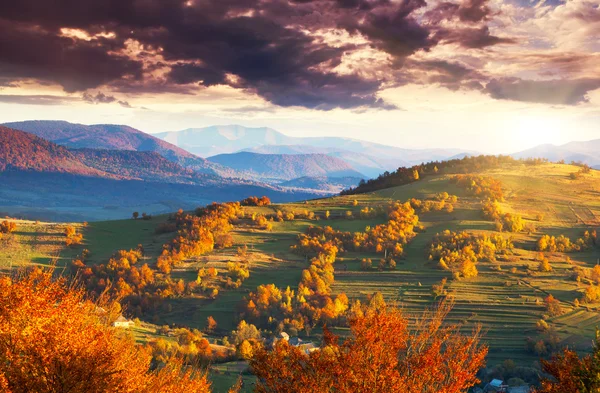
29	52
393	29
558	92
472	38
266	48
470	11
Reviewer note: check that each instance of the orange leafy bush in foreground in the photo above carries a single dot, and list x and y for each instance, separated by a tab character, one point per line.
54	340
382	355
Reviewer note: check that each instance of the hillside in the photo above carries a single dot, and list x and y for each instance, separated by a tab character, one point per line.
140	165
110	137
508	294
20	151
587	152
329	184
285	166
370	166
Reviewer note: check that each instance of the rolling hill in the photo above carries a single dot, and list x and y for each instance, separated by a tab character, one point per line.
331	184
587	152
111	137
370	166
141	165
21	151
508	295
285	166
210	141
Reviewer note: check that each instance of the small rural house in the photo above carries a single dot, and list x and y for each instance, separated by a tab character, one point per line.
123	322
498	386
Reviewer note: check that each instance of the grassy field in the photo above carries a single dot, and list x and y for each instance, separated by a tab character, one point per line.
505	298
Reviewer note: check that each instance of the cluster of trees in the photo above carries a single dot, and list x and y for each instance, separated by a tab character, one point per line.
553	306
564	244
491	193
513	374
237	273
509	222
199	234
441	201
570	373
384	263
189	345
459	252
382	354
246	338
543	263
582	171
485	187
141	288
72	237
136	215
545	345
255	201
371	212
262	222
53	339
7	227
312	303
388	238
306	214
406	175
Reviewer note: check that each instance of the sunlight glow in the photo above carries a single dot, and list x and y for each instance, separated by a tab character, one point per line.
536	130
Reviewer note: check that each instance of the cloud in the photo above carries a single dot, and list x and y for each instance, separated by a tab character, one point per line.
101	98
556	92
275	49
28	52
36	99
470	11
473	38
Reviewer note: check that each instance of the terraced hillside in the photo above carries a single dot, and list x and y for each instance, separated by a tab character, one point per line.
509	295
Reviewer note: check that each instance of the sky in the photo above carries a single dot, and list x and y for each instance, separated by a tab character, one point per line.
495	76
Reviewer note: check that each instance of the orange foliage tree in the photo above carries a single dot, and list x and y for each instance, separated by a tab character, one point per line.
572	374
381	355
52	339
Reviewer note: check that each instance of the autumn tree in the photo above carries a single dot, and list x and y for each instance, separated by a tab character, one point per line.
72	238
572	374
8	226
381	355
52	339
211	324
135	215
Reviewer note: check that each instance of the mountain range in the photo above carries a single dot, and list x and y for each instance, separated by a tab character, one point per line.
367	158
278	167
55	169
111	137
587	152
42	180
